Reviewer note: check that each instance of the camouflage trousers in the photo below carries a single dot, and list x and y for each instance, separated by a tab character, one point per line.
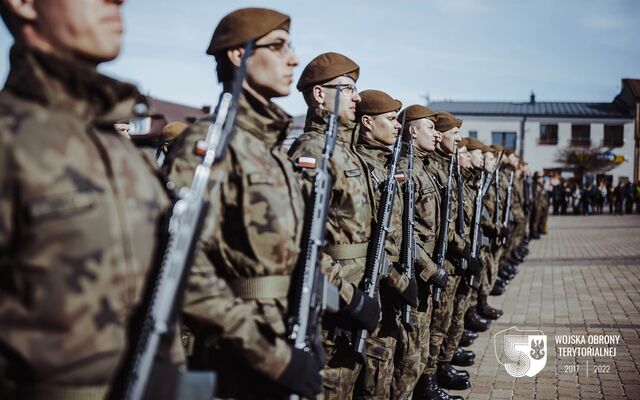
454	333
441	319
412	349
493	267
375	379
340	373
484	286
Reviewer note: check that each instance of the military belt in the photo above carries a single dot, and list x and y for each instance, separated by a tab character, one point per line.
347	251
261	287
37	391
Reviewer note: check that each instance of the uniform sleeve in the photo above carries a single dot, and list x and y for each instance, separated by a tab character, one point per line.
210	306
7	195
309	146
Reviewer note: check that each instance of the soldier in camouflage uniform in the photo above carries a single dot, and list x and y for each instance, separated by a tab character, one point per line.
351	211
448	376
450	352
499	205
378	124
413	345
254	244
68	289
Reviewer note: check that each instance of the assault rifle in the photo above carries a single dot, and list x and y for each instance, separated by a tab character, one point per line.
408	250
477	213
164	292
311	293
377	261
461	265
507	210
443	239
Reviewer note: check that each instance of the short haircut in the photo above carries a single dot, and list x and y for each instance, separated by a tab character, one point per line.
224	67
5	14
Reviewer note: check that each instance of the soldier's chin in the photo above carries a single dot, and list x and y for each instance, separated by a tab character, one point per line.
100	55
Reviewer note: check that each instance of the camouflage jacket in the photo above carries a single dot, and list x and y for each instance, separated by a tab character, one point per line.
489	206
518	198
352	203
258	210
427	213
439	168
79	211
378	157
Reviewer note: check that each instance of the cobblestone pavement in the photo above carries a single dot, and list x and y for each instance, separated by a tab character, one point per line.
582	278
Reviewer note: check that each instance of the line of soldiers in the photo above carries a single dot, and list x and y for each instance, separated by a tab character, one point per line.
83	213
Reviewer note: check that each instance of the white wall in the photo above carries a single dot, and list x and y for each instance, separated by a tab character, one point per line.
542	156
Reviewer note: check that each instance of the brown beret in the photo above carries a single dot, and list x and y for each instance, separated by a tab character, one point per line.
496	148
463	143
325	67
376	102
475	144
446	121
173	129
508	151
415	111
240	26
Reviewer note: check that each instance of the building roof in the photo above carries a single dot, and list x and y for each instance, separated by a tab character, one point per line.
174	111
537	109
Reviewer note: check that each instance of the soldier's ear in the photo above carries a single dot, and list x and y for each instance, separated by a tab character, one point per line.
318	95
235	56
23	9
366	121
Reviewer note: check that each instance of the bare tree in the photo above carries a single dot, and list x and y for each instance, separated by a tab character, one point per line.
584	160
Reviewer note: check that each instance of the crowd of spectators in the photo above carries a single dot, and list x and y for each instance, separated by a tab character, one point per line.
569	197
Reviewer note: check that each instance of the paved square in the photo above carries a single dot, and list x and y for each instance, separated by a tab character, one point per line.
583	279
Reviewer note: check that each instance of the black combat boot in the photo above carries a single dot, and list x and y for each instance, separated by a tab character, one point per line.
463	358
427	389
486	311
468	337
510	268
451	378
498	288
504	274
475	322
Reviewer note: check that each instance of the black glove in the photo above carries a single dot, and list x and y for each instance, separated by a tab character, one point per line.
410	294
505	232
474	265
363	309
491	231
302	374
466	251
440	278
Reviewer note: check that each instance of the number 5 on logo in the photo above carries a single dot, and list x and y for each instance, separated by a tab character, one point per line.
522	352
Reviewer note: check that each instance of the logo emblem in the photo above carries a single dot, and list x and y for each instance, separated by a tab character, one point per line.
521	352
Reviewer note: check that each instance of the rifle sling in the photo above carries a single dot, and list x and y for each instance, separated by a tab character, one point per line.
261	287
347	251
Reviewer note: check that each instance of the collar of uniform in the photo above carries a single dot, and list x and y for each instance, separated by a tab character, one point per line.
58	83
316	120
377	149
269	123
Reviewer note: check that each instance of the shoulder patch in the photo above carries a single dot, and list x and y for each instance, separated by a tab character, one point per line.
352	173
306	162
200	148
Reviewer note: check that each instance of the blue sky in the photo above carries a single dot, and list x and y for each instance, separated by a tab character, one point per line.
564	50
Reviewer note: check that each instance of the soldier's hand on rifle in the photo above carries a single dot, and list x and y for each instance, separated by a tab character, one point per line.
364	309
505	232
302	374
440	278
491	231
474	264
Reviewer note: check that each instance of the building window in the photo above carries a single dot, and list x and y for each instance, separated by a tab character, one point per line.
613	136
548	134
581	135
506	139
473	134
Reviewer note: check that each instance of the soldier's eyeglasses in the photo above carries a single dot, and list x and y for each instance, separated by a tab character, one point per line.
344	89
282	47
